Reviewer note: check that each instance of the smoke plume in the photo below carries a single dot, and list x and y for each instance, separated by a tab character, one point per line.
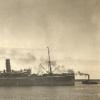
20	55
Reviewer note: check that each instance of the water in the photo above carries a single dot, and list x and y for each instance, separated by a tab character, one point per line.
77	92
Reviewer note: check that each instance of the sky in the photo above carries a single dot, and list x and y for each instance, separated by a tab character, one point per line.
70	28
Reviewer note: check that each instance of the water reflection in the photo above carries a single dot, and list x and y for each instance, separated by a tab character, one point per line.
77	92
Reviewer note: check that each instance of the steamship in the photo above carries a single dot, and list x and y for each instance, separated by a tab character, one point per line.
10	77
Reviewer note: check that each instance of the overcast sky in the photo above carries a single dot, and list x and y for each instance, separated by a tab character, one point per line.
71	28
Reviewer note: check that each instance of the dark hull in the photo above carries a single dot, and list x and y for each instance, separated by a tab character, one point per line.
38	81
89	82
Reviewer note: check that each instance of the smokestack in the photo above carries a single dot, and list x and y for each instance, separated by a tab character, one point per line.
8	66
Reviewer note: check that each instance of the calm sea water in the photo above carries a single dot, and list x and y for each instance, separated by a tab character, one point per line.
77	92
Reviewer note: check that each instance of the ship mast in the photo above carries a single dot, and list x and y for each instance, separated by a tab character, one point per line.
49	62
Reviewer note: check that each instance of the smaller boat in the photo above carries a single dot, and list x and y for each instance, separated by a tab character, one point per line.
88	80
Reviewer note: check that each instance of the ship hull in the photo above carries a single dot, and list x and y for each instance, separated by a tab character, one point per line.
89	82
38	81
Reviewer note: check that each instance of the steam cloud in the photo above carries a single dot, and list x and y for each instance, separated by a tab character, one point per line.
24	56
45	61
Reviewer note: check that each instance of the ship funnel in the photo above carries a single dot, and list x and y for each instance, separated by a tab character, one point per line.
8	66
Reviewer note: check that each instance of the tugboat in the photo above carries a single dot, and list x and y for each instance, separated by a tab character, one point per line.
88	80
11	77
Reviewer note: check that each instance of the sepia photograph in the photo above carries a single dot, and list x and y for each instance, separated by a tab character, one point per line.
49	50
